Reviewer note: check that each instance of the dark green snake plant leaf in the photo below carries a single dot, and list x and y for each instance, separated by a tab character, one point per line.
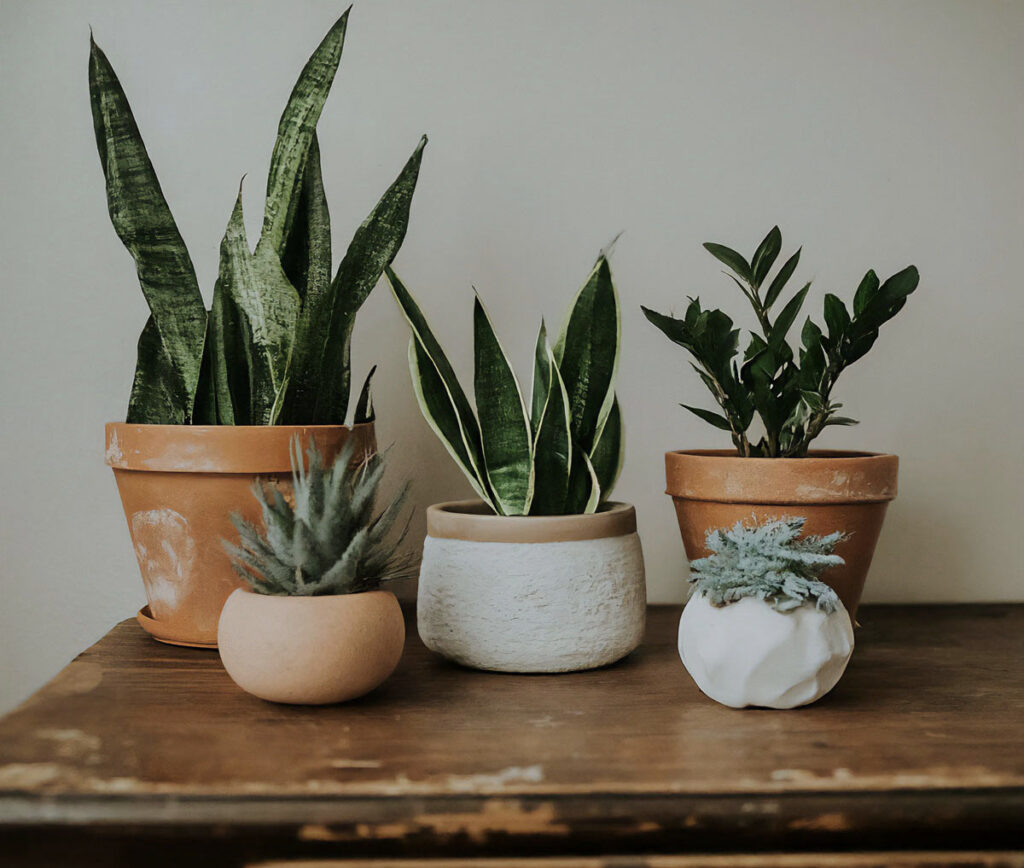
553	448
295	134
170	356
504	423
268	306
320	387
441	399
609	451
364	406
541	379
584	493
587	354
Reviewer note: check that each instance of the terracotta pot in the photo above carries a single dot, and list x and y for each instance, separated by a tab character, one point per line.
847	491
531	593
311	650
179	485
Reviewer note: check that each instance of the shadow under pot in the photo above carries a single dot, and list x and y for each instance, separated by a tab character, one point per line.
834	491
531	593
179	485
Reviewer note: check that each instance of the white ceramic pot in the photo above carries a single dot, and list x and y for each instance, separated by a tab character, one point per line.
310	650
747	653
534	593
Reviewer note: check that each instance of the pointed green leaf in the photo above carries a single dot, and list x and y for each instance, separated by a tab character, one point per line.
143	221
364	406
765	256
730	258
306	257
837	318
781	279
865	292
587	354
552	448
584	493
541	379
229	359
268	306
781	326
466	429
711	418
439	409
295	133
321	386
156	397
609	452
504	425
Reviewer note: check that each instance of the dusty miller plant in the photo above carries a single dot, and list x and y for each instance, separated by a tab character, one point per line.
791	394
768	561
327	538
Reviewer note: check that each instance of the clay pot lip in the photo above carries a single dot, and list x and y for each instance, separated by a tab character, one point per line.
251	449
824	476
313	602
473	521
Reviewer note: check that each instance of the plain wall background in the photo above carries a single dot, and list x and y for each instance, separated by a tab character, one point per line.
875	134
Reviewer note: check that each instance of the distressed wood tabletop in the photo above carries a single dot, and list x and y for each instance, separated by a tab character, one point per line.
138	750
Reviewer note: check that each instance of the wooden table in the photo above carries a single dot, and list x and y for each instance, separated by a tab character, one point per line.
145	754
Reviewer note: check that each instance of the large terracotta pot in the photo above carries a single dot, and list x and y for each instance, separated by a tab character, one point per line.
311	650
531	593
845	491
179	485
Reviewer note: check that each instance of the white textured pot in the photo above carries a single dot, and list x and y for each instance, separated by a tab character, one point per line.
747	653
531	594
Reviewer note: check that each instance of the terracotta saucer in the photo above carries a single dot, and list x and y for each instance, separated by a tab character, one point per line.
159	632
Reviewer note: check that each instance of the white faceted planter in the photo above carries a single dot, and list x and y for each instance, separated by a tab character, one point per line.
531	594
747	653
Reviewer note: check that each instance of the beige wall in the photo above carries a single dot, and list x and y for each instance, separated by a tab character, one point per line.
875	134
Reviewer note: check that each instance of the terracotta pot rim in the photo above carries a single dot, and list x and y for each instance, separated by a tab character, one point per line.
824	476
249	449
318	599
473	521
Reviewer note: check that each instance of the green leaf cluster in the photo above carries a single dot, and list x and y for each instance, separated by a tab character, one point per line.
790	392
768	561
275	347
562	453
326	537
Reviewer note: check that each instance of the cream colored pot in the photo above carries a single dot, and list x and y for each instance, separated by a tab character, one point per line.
310	650
531	593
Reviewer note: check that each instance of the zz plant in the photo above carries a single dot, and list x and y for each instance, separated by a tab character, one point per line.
559	455
275	346
792	394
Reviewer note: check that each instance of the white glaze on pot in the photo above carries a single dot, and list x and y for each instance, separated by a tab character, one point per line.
534	606
747	653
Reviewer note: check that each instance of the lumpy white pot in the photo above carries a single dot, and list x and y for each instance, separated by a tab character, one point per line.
747	653
531	594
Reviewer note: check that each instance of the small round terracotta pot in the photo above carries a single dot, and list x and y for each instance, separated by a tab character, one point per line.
310	650
531	593
179	485
834	491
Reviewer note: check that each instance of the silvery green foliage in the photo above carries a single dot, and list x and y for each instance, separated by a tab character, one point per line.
275	346
768	561
331	541
558	455
792	394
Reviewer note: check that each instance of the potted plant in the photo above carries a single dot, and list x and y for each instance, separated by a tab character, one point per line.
542	573
218	395
761	628
778	475
313	626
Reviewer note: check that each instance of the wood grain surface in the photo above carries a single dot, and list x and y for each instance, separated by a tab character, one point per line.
140	750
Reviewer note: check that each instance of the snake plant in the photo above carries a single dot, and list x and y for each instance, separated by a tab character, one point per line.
559	455
325	537
792	397
275	346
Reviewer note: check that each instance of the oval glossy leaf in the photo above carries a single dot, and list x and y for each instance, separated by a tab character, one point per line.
781	326
731	258
711	418
781	279
765	255
504	425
